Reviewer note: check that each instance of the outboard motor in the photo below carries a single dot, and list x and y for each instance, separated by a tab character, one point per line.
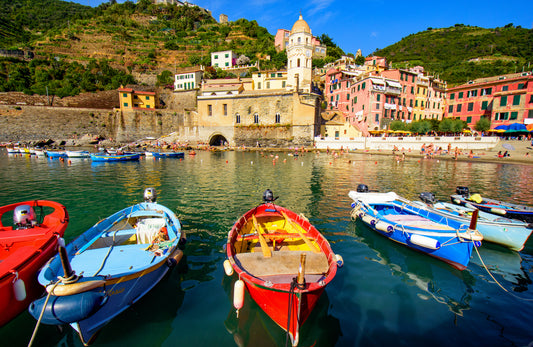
464	191
24	217
428	197
150	195
268	197
362	188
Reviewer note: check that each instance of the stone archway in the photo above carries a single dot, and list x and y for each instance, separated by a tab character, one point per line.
218	140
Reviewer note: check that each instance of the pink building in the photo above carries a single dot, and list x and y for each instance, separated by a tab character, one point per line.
281	41
503	99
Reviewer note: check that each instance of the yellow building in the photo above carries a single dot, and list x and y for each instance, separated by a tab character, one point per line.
269	80
131	99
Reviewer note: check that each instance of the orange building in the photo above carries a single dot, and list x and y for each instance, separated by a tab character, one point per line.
132	99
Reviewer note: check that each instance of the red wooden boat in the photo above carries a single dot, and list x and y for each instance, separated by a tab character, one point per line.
283	261
24	248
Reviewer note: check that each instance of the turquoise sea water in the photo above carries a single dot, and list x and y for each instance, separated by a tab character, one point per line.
384	295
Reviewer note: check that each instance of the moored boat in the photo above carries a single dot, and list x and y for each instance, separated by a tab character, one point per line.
414	227
26	247
501	208
56	154
161	155
121	258
282	260
102	157
511	233
78	154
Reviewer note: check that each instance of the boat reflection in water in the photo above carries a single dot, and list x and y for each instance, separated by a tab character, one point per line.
254	327
507	267
437	280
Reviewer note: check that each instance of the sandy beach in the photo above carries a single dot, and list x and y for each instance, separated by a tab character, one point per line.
520	152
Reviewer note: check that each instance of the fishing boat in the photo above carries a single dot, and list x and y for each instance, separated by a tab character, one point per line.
78	154
25	247
511	233
117	261
414	227
102	157
56	154
506	209
282	260
161	155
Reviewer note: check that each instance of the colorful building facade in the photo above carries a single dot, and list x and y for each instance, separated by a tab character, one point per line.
132	99
503	99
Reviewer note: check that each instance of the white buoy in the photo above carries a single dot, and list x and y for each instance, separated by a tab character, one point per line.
340	261
424	241
228	269
238	295
19	289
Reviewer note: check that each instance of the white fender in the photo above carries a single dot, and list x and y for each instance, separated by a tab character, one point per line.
424	241
340	261
228	269
498	211
19	289
238	295
383	226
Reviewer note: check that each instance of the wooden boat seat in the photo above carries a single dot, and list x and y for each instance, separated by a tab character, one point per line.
282	263
415	221
121	259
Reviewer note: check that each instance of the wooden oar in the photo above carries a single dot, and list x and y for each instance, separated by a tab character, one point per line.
311	246
262	241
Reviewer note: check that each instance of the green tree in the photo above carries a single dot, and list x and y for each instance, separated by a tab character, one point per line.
164	78
483	124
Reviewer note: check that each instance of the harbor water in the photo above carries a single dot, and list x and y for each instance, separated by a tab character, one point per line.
385	294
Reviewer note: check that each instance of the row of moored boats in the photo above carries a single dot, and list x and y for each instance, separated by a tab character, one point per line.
274	254
103	156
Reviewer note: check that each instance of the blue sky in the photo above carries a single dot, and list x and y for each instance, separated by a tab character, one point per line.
369	24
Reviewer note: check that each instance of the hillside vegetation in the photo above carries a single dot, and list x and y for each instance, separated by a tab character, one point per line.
79	48
462	53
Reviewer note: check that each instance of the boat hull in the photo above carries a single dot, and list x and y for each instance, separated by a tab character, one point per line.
500	208
276	290
29	250
114	158
509	233
162	155
416	228
119	264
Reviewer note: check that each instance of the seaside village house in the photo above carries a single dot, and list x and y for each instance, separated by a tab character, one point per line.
372	96
273	108
504	100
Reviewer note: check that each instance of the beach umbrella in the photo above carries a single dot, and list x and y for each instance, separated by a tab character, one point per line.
529	127
502	127
516	128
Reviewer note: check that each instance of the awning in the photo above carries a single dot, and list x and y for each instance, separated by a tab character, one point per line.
377	81
394	84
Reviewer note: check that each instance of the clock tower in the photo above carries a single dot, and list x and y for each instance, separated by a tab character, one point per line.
299	57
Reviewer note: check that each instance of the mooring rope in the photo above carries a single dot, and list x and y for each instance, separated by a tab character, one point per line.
495	280
42	313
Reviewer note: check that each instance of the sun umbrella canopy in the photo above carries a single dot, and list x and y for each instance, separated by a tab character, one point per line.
529	127
517	127
502	127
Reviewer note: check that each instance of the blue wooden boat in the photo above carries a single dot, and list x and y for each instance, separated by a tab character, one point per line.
511	233
118	261
416	228
161	155
102	157
56	154
506	209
